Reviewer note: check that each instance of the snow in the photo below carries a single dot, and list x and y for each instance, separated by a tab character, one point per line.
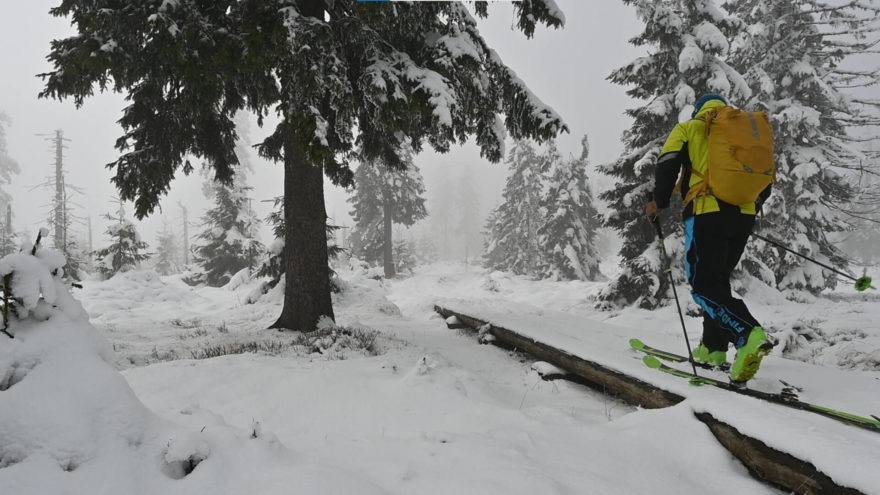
657	107
738	84
691	56
685	97
458	44
711	38
428	410
440	94
717	81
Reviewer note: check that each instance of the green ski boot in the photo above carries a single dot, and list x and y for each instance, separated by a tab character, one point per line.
702	354
749	356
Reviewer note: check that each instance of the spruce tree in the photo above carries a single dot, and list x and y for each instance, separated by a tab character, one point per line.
494	254
336	72
384	197
8	238
167	257
688	43
404	254
512	244
567	238
228	241
126	249
273	263
467	204
8	167
77	259
425	249
791	57
442	219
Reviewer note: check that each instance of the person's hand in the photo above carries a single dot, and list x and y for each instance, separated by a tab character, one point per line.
652	210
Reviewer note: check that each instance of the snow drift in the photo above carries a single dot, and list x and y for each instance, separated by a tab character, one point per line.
70	423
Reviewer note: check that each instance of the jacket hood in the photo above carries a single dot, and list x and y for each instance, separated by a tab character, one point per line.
708	106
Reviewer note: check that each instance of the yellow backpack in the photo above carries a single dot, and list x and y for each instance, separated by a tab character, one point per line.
741	162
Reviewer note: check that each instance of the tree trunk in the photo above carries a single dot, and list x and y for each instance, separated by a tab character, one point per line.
388	245
307	275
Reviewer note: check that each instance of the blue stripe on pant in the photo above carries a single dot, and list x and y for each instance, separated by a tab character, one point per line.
714	243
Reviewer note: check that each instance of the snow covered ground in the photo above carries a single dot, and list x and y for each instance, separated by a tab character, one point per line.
422	410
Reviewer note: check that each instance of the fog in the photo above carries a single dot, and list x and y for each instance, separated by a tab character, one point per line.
566	68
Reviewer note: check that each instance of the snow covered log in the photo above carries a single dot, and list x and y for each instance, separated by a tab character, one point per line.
763	462
769	464
602	378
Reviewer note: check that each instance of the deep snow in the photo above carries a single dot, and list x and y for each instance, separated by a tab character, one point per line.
428	411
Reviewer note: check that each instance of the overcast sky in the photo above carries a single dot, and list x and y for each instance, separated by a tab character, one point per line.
566	68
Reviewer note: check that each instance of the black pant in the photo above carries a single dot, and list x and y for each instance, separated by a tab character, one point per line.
714	244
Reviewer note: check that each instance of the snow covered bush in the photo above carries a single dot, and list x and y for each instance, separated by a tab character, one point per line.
58	375
30	284
336	342
70	423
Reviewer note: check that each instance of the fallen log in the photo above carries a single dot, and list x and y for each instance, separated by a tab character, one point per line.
768	464
600	377
763	462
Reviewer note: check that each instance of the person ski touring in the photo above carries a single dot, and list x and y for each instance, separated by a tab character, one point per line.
724	153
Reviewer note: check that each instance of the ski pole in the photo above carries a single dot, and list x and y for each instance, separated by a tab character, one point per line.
862	283
655	220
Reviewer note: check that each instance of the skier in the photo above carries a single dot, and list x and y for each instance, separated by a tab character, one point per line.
716	235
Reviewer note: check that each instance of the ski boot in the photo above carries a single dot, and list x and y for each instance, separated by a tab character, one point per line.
702	354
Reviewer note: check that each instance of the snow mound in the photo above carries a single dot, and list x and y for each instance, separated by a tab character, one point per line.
70	423
363	293
241	278
129	289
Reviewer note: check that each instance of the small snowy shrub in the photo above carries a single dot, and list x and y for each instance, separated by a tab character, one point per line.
31	283
274	347
334	342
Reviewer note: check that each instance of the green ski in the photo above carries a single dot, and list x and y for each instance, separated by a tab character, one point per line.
781	399
670	356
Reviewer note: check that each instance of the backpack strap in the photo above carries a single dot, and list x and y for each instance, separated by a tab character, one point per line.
699	189
680	179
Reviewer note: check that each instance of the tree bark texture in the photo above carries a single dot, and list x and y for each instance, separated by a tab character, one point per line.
387	244
307	275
